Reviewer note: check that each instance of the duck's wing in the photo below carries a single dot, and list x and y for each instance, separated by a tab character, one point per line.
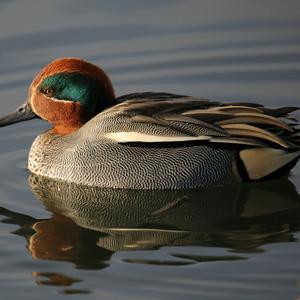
157	118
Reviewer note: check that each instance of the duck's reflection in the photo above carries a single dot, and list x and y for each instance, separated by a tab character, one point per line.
59	238
89	224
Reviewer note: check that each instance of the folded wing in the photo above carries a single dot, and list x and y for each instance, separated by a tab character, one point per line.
166	118
267	140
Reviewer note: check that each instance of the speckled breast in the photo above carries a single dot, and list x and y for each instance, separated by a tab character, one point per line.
104	163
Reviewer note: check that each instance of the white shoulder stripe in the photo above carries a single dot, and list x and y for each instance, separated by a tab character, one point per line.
131	137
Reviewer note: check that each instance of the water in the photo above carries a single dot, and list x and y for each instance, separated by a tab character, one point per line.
228	243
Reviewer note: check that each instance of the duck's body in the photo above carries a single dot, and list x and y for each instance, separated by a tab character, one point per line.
91	156
156	140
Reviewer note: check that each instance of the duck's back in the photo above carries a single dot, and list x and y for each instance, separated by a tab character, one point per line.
164	141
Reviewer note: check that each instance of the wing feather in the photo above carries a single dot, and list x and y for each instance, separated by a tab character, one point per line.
161	117
256	118
245	130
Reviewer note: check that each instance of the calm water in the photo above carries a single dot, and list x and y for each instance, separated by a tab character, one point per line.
60	240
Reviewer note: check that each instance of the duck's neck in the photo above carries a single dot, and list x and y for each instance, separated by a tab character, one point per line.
76	118
64	130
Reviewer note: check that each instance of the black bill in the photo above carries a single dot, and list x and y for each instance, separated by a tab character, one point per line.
23	113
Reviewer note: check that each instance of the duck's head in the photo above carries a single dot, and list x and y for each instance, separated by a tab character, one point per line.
66	93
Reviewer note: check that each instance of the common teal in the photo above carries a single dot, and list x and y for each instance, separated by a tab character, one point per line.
150	140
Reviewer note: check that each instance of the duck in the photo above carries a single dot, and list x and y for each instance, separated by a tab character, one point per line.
150	140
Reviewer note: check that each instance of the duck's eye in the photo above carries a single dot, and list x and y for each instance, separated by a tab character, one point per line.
49	92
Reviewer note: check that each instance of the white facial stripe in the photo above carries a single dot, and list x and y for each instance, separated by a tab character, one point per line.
33	95
58	100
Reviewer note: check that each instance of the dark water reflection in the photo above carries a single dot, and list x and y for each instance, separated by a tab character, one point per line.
89	224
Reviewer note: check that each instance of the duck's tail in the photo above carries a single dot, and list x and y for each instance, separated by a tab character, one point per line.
269	161
262	163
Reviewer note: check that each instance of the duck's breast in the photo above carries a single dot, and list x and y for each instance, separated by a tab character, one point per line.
104	163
